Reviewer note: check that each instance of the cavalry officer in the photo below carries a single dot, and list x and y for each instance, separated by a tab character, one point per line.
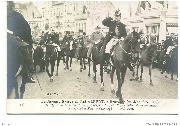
94	39
115	24
112	24
20	28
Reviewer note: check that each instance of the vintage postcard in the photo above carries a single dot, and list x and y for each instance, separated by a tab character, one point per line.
92	57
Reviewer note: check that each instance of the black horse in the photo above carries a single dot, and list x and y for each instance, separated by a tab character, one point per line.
50	58
98	57
38	57
171	62
120	60
17	51
82	54
69	52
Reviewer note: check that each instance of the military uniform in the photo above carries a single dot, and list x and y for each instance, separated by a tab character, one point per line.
112	24
95	39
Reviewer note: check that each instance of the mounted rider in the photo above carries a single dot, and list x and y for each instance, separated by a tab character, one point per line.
19	27
95	39
114	24
117	33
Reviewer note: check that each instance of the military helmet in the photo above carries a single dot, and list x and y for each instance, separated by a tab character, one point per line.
118	13
67	32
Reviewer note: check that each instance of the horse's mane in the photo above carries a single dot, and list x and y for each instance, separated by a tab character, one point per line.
128	37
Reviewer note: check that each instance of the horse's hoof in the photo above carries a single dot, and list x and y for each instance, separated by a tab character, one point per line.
84	68
88	75
80	70
151	84
94	81
21	96
117	94
113	91
131	79
70	69
102	89
137	78
121	101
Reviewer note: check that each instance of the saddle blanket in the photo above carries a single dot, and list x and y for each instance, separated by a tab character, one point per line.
110	44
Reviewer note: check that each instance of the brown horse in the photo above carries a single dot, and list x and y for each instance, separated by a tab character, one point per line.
120	62
147	58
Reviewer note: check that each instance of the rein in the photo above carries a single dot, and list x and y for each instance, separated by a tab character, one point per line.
122	49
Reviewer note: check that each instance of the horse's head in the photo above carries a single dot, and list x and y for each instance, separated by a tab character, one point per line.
127	42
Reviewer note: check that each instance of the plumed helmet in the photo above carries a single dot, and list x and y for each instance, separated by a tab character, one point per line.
67	32
118	13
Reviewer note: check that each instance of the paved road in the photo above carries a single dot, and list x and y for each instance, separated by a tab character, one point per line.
77	85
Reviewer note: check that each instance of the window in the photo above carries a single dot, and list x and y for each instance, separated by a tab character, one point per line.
33	14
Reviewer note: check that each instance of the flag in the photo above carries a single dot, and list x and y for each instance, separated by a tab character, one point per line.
143	5
84	9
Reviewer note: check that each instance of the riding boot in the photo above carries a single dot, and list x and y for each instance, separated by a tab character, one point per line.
130	66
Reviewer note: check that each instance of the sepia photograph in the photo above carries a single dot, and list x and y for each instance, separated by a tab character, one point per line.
92	57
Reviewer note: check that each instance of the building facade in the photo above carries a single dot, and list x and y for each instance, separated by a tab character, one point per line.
74	15
160	20
30	13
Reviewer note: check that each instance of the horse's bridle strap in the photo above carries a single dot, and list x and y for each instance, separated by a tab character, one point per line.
122	48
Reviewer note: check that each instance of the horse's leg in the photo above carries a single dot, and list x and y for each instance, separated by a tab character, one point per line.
150	69
12	83
67	61
64	61
58	61
94	69
70	63
112	83
141	72
118	92
24	80
81	66
89	62
101	74
84	63
52	69
47	69
137	70
34	66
